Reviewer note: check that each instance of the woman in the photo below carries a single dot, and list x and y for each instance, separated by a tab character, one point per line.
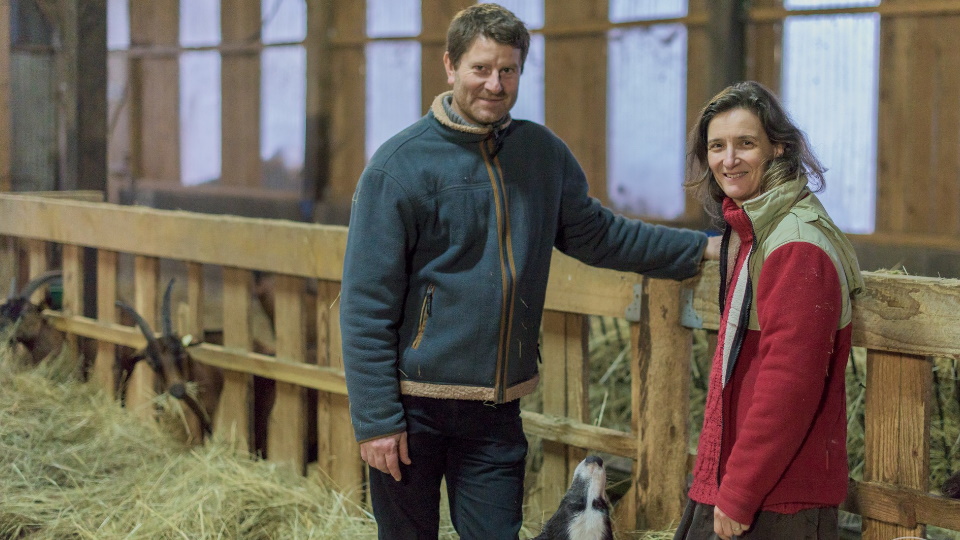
772	459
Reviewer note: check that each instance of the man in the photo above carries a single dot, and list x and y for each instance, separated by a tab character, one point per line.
453	224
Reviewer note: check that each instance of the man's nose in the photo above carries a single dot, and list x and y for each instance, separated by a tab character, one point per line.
493	83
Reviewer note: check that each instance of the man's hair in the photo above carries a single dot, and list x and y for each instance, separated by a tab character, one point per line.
491	20
796	163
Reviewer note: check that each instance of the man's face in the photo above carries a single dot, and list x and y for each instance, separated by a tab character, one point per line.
487	81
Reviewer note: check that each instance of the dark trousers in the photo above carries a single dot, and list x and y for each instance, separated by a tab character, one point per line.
811	524
480	448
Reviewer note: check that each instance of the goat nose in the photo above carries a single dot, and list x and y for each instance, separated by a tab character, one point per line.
178	391
595	459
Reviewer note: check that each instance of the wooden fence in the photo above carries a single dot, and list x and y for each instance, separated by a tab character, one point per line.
903	321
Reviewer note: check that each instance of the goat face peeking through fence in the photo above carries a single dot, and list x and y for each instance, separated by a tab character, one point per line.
26	322
168	358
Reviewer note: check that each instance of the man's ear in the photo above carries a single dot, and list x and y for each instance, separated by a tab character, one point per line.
451	70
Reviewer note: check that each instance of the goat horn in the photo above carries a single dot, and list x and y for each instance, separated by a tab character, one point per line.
153	347
38	282
165	311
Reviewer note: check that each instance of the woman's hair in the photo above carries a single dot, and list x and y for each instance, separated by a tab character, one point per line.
491	20
796	163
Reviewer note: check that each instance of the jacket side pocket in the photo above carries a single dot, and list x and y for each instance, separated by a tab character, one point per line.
425	310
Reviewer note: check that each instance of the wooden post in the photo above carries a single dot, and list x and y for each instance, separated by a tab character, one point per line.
661	390
240	88
103	372
565	389
316	159
5	127
338	451
897	433
140	388
582	126
287	431
155	92
233	420
347	143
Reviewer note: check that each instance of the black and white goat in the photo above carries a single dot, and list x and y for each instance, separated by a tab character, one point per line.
167	357
29	327
584	512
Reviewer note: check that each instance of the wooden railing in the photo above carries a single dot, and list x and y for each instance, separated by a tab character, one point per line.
901	320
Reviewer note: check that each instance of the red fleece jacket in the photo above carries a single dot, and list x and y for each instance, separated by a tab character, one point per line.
774	438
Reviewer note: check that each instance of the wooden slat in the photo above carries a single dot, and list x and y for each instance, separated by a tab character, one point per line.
103	371
896	435
905	506
345	466
72	291
233	421
897	313
661	407
263	244
140	388
554	428
564	389
286	436
37	263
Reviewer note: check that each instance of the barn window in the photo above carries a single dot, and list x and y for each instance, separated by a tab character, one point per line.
830	88
646	100
199	92
393	69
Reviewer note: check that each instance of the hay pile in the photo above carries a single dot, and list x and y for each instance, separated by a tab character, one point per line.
73	464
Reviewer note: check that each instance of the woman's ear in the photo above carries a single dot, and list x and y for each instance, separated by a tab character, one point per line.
778	150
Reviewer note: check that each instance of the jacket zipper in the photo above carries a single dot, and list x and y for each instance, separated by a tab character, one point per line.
507	267
426	309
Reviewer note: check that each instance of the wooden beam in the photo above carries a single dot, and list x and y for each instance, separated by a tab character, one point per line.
6	134
155	92
435	16
348	115
240	95
600	439
584	126
902	506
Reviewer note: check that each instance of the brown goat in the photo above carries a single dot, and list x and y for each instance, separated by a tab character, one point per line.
167	356
29	327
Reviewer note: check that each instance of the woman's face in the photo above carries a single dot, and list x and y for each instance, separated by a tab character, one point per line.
738	152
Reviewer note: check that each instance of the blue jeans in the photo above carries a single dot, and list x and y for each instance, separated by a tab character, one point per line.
481	450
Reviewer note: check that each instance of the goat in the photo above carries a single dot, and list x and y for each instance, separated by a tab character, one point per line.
584	512
168	358
30	327
951	487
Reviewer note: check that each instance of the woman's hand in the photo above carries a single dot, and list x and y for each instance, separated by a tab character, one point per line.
726	527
